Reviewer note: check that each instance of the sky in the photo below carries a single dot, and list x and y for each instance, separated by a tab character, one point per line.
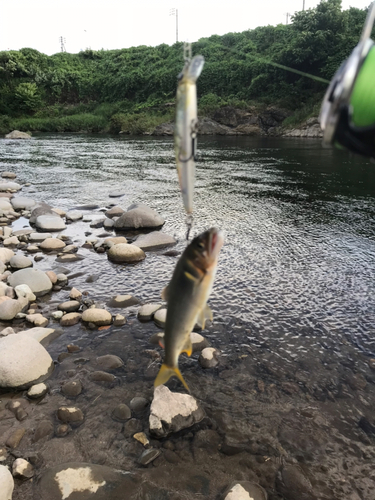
115	24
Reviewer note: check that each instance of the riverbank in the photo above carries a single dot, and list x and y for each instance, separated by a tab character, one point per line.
299	425
159	121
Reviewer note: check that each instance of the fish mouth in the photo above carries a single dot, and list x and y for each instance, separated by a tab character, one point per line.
216	241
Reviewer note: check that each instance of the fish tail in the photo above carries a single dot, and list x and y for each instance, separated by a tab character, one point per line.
166	372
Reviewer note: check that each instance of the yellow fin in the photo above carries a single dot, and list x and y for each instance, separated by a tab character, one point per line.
165	293
166	372
188	347
190	276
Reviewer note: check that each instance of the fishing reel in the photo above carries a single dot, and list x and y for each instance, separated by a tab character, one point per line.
347	115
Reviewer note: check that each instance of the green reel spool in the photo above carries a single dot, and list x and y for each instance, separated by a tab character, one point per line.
347	115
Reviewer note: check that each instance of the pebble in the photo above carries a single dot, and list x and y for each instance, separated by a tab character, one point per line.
57	315
37	391
99	376
70	414
21	414
62	279
139	216
99	317
20	262
51	244
72	388
198	342
32	249
62	430
119	320
15	438
123	301
132	426
39	237
22	469
3	454
147	311
37	320
109	362
142	438
245	490
149	456
121	413
38	282
43	429
70	306
70	319
125	253
139	404
208	357
75	294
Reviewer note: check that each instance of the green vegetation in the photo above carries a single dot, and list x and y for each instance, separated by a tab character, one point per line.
132	89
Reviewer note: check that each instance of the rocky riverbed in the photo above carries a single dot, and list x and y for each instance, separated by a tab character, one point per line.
79	417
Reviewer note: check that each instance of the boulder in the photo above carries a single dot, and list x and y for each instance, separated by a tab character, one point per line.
160	317
147	311
23	362
125	253
5	205
20	262
208	357
74	215
22	203
50	244
50	223
16	134
114	212
12	241
41	209
9	186
99	317
8	175
70	319
38	282
6	483
171	412
10	308
245	490
25	291
154	241
123	301
38	237
37	391
139	216
5	255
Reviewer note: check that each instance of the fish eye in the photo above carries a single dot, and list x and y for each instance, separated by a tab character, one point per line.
200	245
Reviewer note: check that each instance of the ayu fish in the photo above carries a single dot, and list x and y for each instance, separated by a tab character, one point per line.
185	136
187	295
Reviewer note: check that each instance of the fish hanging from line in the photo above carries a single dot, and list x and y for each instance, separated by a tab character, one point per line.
186	128
187	295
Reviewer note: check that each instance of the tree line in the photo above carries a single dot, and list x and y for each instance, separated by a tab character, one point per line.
238	70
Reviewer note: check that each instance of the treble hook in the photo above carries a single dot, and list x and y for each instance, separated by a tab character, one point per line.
187	52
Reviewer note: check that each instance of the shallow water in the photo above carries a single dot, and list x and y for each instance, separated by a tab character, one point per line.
299	222
293	303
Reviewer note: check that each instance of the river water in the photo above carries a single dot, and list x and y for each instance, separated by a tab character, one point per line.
293	304
298	219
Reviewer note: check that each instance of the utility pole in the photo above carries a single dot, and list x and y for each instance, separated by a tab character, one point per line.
62	43
287	17
303	5
174	12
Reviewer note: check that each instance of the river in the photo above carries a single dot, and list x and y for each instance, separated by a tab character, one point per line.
293	303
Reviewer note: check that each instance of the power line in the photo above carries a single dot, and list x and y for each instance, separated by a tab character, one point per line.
174	12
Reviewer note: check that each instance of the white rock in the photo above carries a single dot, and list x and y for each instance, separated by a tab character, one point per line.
5	205
74	215
38	333
238	493
50	244
139	216
37	319
22	469
172	411
154	241
37	237
16	134
245	490
147	311
22	203
50	223
23	362
25	291
7	331
6	254
75	294
20	262
37	280
37	391
208	358
6	483
10	186
123	253
57	315
100	317
7	231
12	241
9	309
160	317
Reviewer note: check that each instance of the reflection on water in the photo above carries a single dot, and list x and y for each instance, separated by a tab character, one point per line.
299	257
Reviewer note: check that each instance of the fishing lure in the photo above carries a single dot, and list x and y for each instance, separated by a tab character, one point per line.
347	115
185	136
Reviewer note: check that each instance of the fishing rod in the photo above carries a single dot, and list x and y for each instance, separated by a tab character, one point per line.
347	115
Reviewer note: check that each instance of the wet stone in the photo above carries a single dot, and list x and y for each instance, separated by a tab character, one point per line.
245	490
109	362
160	317
43	429
72	388
121	413
138	404
21	414
100	376
147	311
37	391
119	320
132	427
22	469
14	439
208	358
70	414
73	348
171	457
62	356
149	456
62	430
70	319
293	483
70	306
141	438
123	301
